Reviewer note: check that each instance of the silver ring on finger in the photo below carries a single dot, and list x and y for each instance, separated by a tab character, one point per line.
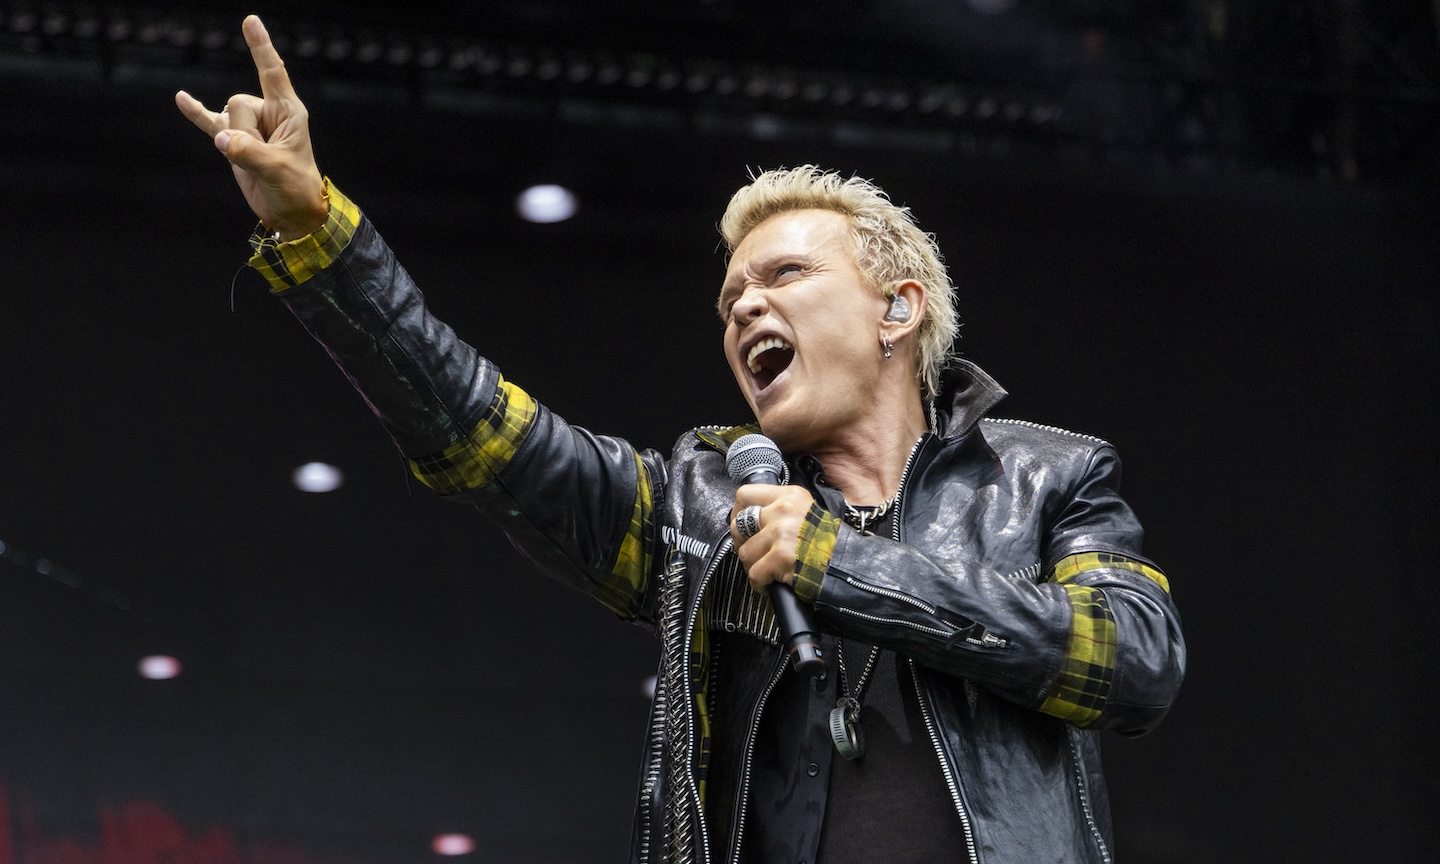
747	521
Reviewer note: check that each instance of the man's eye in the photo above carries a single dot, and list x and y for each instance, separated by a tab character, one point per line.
785	269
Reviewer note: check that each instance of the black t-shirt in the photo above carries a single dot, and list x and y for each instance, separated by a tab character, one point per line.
892	804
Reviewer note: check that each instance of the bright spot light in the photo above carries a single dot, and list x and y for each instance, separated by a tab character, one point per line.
649	686
318	477
158	667
452	844
546	203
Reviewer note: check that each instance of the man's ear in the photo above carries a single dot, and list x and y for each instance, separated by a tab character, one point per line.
906	310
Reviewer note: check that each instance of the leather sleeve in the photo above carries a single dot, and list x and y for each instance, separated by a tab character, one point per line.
1096	641
578	505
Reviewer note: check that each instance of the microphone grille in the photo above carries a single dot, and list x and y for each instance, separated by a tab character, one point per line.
750	452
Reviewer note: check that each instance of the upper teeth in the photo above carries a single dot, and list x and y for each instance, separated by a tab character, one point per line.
761	347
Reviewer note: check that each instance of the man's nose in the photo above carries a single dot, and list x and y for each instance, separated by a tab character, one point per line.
750	305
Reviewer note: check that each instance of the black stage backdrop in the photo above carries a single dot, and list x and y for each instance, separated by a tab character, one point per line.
368	668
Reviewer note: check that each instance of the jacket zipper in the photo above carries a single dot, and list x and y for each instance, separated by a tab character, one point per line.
899	622
738	833
659	713
694	792
951	781
895	535
892	594
1085	800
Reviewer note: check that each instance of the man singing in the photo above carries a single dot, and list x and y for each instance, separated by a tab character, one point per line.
983	603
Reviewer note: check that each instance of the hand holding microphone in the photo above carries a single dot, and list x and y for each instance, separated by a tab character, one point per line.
755	460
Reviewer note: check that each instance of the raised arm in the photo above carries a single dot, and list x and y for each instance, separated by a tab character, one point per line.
580	506
267	140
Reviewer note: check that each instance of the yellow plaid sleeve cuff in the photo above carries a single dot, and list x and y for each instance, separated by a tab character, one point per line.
1073	565
817	543
1088	670
285	265
481	455
624	591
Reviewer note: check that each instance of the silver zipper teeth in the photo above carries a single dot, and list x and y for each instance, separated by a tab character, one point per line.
892	594
897	621
679	830
659	713
945	767
738	833
949	772
1045	428
652	774
691	786
1085	801
904	477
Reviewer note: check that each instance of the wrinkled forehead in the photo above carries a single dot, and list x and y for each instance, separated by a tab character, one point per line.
799	235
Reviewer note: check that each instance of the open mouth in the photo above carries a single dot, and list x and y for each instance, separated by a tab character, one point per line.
768	358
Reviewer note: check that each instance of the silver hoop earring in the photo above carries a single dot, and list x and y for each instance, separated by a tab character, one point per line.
888	346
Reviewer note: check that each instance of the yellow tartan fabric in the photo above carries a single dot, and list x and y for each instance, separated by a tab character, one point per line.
1089	666
817	543
488	448
1073	565
624	592
482	454
285	265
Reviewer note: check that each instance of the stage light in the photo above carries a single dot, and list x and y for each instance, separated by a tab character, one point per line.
452	844
158	667
317	477
546	203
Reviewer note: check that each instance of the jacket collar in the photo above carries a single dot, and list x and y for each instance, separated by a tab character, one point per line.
967	393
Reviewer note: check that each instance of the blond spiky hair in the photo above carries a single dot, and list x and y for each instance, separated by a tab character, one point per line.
888	246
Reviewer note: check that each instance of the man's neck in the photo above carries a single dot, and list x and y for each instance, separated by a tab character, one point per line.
867	463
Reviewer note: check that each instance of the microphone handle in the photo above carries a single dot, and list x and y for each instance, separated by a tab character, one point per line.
802	637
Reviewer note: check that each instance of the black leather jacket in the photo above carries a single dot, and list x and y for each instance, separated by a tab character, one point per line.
1014	557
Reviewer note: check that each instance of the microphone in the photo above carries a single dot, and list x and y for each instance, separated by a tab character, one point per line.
756	459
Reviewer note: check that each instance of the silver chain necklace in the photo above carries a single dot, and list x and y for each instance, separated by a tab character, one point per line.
861	518
845	728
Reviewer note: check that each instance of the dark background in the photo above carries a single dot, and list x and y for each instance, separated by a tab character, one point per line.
1205	231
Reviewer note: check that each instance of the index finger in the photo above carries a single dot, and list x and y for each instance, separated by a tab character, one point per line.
274	80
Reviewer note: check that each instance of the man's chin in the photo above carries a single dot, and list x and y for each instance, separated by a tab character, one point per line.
782	430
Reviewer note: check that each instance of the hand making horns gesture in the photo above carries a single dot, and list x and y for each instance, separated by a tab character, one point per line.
267	140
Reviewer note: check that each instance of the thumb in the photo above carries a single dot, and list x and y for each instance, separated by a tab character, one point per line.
238	147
